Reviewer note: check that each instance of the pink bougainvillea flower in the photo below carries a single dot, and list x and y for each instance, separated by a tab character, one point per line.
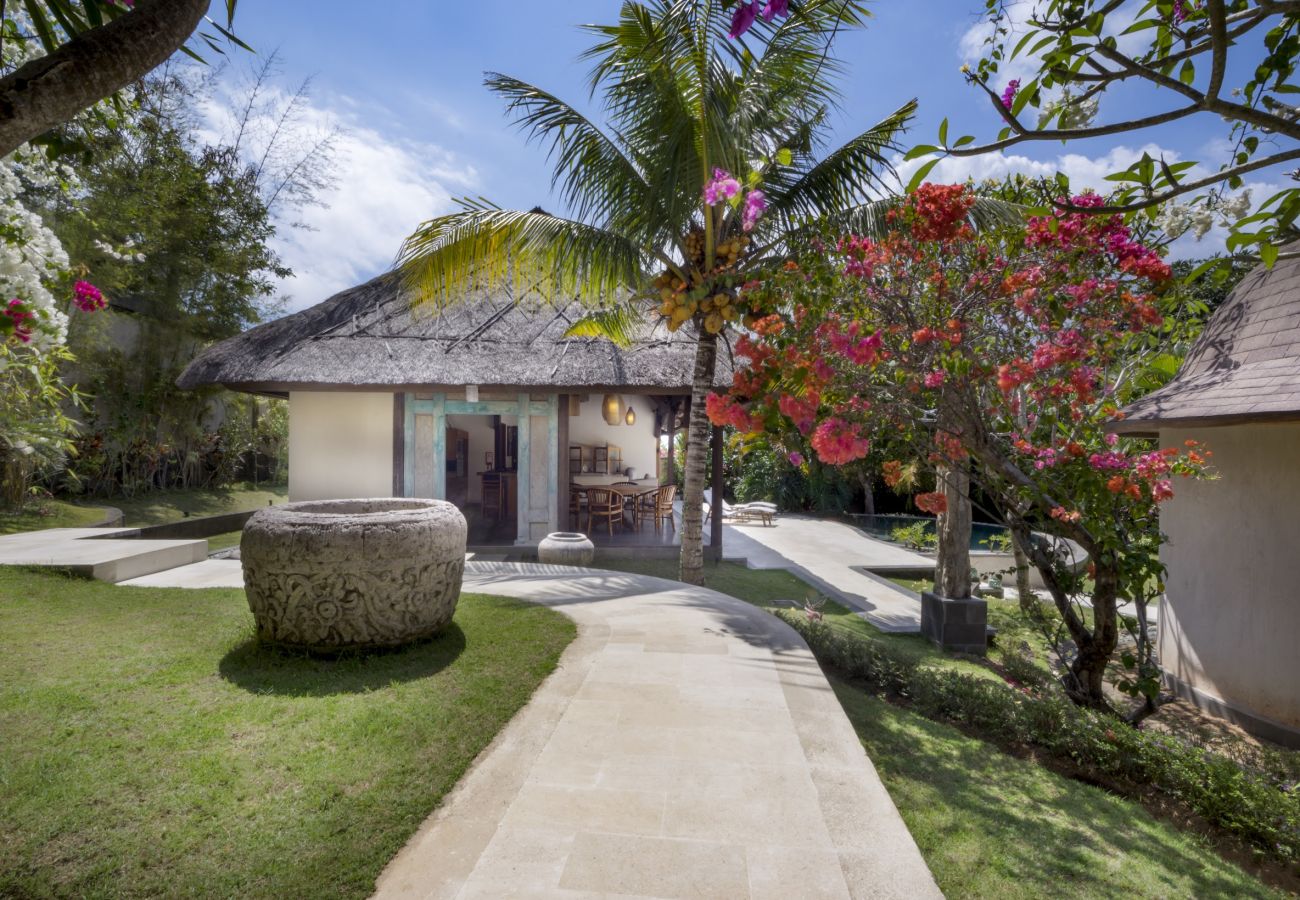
795	457
1180	11
934	379
838	442
20	318
724	186
776	9
755	204
1009	95
741	20
87	297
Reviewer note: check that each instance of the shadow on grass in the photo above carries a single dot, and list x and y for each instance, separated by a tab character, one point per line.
985	821
264	669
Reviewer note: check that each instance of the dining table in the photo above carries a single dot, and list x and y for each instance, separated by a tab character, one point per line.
633	492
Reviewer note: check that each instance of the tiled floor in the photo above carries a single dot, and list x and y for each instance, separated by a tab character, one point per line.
688	746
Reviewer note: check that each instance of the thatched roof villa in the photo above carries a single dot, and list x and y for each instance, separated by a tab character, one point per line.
390	399
1230	621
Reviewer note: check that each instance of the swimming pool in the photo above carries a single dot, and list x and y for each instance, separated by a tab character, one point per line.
882	526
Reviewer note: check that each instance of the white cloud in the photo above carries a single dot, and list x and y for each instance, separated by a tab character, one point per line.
383	186
384	189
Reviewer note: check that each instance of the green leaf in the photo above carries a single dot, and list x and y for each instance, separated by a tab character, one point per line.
919	177
919	150
943	132
1268	254
784	157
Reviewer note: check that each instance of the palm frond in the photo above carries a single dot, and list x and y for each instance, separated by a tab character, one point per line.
616	324
845	178
483	246
597	181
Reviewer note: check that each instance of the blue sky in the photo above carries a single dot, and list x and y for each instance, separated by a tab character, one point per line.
405	79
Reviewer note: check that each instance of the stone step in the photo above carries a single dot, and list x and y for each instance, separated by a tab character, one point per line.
98	554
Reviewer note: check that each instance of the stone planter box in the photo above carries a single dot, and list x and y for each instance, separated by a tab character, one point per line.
566	548
336	575
957	625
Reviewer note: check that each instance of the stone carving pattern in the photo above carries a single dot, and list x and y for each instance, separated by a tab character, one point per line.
334	582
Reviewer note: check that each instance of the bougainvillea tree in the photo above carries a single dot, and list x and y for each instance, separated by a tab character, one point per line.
1006	351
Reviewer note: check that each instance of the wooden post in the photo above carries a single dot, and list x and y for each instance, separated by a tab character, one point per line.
523	479
672	441
561	499
715	521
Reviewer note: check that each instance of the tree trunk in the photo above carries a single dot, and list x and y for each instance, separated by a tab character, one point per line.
868	500
53	89
952	568
1024	593
697	450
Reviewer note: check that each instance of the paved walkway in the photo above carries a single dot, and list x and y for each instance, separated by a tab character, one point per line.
687	746
825	553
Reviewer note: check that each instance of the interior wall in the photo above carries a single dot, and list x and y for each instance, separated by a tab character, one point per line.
479	429
1231	615
340	445
637	441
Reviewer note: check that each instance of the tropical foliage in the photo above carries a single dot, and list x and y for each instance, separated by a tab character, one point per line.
1228	64
1008	351
707	165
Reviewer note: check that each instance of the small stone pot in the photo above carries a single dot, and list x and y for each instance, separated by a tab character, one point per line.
566	548
337	575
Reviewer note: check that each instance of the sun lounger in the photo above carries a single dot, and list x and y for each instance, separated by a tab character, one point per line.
757	511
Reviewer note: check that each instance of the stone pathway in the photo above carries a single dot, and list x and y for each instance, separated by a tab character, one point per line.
687	746
825	553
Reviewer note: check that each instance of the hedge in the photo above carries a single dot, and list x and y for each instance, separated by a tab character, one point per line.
1217	789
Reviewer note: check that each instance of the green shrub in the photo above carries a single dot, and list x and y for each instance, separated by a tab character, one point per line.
918	535
1214	787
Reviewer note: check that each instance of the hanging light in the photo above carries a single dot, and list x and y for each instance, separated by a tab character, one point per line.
631	416
611	407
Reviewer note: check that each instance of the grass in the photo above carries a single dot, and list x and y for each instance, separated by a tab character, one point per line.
992	825
49	514
152	748
160	507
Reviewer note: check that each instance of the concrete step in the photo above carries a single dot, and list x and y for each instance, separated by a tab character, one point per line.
90	552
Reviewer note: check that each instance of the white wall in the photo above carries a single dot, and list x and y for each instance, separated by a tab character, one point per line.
637	441
1230	622
340	445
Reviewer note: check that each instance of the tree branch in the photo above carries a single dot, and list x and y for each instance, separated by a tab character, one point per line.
95	64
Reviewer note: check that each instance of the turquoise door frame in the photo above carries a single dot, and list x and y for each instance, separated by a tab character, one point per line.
439	407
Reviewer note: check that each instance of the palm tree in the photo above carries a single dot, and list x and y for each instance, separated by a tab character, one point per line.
681	100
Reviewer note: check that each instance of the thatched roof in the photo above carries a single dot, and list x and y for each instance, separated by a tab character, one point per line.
371	336
1245	366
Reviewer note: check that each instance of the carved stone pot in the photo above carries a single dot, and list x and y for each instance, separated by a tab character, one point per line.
566	548
335	575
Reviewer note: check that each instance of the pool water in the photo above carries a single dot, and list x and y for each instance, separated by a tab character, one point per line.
882	526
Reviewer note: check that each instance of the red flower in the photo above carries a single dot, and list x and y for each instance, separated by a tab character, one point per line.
932	502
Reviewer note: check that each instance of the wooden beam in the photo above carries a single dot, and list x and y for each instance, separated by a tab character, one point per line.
562	450
399	444
714	550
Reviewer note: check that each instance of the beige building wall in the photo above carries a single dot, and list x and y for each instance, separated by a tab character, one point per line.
340	445
1230	621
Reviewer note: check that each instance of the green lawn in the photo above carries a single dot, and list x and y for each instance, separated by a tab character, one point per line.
151	748
49	514
991	825
159	507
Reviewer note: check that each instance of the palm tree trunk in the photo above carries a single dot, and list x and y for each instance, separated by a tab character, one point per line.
697	449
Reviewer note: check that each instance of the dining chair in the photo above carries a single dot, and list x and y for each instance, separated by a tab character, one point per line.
493	495
663	505
605	504
577	502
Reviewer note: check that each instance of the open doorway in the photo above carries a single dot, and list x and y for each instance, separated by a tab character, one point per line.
482	475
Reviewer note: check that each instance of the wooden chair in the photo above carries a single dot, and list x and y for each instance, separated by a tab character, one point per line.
493	495
577	503
663	505
603	504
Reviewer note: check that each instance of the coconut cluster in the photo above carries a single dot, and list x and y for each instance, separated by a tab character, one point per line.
711	302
